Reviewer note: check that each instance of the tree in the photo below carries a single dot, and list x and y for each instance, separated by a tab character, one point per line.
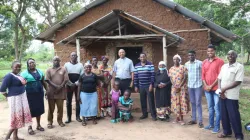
56	10
231	15
15	12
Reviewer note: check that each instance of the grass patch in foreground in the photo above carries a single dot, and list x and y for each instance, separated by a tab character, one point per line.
2	97
244	104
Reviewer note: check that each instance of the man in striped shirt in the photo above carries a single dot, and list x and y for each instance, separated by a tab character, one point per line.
143	81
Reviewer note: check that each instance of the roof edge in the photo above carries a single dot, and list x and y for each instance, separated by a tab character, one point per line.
197	18
68	19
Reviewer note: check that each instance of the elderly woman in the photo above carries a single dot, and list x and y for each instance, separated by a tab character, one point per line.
87	95
99	73
179	94
34	90
17	100
106	87
162	92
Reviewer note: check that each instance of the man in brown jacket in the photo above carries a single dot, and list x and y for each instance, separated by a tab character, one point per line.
56	77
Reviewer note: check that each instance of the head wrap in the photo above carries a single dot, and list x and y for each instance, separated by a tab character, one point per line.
87	64
27	62
105	57
162	63
178	56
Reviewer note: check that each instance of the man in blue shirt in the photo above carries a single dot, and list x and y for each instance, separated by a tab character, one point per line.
194	67
123	72
143	81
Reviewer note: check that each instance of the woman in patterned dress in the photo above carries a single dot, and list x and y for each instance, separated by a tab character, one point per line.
17	100
98	72
179	94
106	87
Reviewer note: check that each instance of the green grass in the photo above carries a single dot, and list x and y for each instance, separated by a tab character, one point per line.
245	107
2	97
247	70
5	67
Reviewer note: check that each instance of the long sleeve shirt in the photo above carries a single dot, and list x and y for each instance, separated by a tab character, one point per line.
144	75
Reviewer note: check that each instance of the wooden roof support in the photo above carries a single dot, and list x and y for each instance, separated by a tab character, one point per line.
193	30
119	25
123	36
164	41
78	50
134	21
219	35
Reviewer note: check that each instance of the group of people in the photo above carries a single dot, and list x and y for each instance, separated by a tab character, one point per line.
105	91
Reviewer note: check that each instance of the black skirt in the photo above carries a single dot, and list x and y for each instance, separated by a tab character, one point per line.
163	97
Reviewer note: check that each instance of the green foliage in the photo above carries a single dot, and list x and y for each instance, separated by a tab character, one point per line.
44	53
55	10
232	16
244	107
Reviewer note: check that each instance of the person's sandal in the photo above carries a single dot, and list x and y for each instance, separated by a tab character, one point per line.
182	122
49	126
84	123
191	123
40	128
200	125
62	124
113	121
222	135
94	121
31	131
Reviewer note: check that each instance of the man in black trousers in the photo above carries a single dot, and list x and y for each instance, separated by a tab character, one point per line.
229	81
144	76
74	69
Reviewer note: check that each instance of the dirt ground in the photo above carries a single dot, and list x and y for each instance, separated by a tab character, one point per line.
104	130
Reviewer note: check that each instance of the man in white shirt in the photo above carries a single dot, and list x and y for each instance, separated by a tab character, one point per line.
229	82
123	71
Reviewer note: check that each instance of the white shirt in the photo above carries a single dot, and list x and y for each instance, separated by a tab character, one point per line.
230	74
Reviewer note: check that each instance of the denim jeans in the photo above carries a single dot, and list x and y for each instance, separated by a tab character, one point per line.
195	95
213	101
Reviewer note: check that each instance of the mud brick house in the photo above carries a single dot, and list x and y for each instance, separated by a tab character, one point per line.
160	28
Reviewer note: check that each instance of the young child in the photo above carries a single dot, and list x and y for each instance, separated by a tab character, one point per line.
115	94
125	105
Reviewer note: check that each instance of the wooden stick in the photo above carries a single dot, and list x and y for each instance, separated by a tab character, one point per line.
193	30
122	37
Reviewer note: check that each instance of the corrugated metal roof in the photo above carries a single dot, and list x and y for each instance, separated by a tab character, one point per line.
190	14
48	35
109	23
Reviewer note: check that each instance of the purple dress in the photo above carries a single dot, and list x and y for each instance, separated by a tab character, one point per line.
115	99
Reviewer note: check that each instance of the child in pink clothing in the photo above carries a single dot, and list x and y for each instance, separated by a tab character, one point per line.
115	94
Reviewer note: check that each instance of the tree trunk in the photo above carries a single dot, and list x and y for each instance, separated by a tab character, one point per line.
16	39
22	43
248	56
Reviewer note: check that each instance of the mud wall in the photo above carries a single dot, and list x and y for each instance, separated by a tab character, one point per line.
148	10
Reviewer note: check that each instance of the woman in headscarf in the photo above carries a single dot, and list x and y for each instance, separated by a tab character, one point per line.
107	73
97	72
162	92
87	95
13	87
35	93
179	94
